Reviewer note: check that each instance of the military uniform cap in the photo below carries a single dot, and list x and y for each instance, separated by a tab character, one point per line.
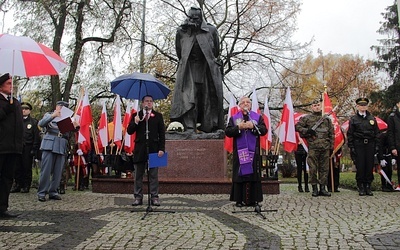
4	78
363	101
316	101
63	103
26	105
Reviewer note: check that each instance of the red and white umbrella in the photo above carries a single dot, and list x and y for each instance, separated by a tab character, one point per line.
22	56
382	125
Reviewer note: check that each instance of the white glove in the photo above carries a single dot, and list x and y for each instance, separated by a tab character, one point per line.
393	161
79	152
383	163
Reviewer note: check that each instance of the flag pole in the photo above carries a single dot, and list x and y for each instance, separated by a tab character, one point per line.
77	173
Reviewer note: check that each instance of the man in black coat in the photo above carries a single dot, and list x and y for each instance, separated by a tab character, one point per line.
393	132
23	171
11	138
155	143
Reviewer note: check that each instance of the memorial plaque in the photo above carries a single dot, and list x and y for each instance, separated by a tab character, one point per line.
195	159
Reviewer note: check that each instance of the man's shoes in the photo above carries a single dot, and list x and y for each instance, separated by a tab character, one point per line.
155	202
137	202
387	189
24	190
300	189
15	189
306	189
55	197
42	199
7	215
239	204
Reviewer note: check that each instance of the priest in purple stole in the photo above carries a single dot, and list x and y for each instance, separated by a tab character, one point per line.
246	127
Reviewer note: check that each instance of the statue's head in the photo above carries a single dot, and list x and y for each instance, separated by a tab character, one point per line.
195	17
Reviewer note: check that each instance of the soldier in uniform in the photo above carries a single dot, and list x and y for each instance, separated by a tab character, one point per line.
320	143
393	123
363	140
23	172
54	148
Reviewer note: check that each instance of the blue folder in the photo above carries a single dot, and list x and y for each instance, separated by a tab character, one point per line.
157	162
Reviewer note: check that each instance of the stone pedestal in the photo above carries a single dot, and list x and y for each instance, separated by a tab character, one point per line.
195	166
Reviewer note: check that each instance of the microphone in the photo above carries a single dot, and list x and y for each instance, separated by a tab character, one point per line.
146	108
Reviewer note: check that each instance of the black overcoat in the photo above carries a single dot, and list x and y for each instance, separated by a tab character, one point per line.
156	140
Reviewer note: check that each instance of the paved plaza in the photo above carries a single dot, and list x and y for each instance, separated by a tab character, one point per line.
86	220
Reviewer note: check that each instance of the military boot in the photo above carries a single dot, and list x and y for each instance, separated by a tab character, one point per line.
368	189
361	190
314	190
323	192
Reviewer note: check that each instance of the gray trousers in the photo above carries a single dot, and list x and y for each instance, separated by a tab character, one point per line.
140	169
51	169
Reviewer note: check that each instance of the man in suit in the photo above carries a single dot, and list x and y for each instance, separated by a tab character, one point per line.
155	143
54	152
11	134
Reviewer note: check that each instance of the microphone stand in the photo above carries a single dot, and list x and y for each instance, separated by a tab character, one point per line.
257	206
147	166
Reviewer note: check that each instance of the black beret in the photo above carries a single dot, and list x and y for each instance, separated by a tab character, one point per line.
26	105
4	78
363	101
63	103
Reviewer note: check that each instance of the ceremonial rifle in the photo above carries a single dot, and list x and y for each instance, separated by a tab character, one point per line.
316	125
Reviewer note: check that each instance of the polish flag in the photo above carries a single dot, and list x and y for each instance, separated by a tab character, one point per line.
233	109
266	141
129	143
103	129
255	108
286	130
117	123
339	136
85	123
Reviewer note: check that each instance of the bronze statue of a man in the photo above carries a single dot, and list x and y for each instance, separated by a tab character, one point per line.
198	93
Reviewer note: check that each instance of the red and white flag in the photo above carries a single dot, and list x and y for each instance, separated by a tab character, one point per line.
117	123
85	123
339	136
103	129
233	109
286	130
129	143
266	141
256	108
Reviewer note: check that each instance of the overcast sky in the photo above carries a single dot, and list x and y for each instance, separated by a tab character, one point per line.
342	26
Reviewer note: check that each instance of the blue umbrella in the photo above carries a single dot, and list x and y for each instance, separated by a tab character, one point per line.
137	85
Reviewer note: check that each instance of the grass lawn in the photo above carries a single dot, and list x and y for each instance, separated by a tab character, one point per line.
347	180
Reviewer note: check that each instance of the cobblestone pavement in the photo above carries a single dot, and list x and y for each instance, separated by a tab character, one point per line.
86	220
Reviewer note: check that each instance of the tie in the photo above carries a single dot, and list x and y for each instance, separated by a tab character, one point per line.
8	97
147	115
